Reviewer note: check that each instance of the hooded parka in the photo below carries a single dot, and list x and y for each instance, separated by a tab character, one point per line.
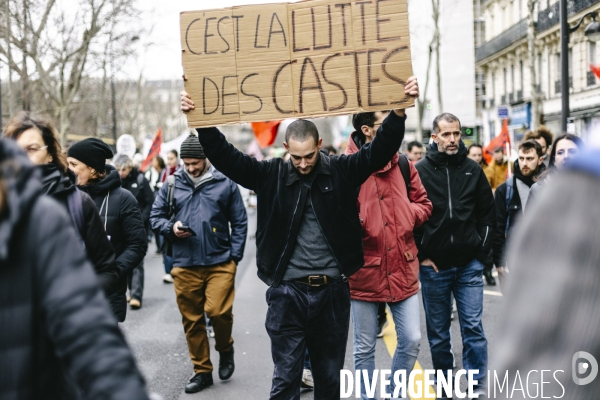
388	216
97	247
53	315
121	215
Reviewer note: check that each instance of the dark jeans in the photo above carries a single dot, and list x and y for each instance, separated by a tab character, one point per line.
302	317
467	286
135	282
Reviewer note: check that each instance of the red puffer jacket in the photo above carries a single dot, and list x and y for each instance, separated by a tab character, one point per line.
388	217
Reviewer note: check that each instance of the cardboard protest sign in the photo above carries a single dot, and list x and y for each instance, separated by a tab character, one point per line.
306	59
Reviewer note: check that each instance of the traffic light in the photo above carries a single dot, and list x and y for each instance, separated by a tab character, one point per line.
468	131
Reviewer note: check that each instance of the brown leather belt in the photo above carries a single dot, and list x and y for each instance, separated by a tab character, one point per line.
316	280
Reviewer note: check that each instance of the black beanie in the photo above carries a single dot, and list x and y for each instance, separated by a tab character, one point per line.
93	152
191	148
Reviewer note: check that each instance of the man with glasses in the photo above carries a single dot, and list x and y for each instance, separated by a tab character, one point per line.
452	245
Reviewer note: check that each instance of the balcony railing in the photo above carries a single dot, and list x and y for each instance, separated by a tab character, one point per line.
546	20
551	16
502	41
591	78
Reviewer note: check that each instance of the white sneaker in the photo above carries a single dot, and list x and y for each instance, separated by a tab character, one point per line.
307	379
168	278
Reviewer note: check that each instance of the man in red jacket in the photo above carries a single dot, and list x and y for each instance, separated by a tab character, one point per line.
389	211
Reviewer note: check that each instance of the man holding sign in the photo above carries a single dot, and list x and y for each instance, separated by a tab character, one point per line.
308	241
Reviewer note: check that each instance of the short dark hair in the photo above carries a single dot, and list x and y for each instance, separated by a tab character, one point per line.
301	130
161	162
412	144
174	152
573	138
446	117
499	149
527	145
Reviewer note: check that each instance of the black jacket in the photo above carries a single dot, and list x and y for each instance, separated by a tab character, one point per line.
461	225
139	187
53	315
333	193
97	247
120	213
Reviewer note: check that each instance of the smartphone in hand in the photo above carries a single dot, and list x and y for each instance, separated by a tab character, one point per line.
186	228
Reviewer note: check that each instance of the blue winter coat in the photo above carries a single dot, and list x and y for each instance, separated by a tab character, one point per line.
208	210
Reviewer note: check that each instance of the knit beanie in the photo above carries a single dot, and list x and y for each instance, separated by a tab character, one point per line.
191	148
93	152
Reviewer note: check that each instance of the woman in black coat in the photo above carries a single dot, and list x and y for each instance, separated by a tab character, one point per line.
118	210
37	137
54	320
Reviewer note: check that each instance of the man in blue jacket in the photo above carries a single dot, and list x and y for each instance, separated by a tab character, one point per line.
205	205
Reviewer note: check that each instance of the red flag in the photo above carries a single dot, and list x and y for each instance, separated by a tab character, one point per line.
265	132
499	141
595	69
154	149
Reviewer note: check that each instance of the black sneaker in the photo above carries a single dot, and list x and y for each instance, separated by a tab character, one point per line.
489	279
198	382
226	365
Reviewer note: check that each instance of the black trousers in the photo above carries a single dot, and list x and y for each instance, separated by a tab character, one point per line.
135	282
302	317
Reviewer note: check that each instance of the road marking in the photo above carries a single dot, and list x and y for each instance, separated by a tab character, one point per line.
390	340
492	293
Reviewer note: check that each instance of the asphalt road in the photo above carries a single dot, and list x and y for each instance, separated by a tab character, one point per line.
155	334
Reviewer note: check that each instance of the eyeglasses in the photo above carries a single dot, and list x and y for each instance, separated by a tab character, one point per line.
32	149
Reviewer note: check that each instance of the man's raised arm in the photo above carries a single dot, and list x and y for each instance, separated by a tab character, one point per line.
237	166
375	155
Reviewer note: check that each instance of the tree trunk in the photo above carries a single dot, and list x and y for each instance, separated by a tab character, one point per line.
531	36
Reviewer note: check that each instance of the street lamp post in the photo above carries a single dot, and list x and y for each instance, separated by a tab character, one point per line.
592	32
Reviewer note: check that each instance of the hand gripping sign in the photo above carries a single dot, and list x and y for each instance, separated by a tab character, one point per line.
291	60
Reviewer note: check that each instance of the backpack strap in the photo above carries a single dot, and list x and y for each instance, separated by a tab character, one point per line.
171	194
510	191
404	165
75	204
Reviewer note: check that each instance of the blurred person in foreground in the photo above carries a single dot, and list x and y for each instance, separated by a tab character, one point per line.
133	180
118	210
58	338
551	309
38	137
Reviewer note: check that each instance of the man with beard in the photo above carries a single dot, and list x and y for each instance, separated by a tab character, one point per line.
201	211
511	197
453	244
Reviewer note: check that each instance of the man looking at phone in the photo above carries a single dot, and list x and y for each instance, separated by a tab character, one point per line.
205	205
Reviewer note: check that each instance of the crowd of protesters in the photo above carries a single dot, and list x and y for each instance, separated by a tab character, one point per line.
338	235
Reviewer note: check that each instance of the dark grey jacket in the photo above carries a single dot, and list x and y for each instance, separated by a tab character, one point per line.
53	315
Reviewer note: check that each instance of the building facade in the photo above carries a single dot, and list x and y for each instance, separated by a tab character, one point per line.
503	69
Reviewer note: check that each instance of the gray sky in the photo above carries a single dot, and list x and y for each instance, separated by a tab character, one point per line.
162	60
